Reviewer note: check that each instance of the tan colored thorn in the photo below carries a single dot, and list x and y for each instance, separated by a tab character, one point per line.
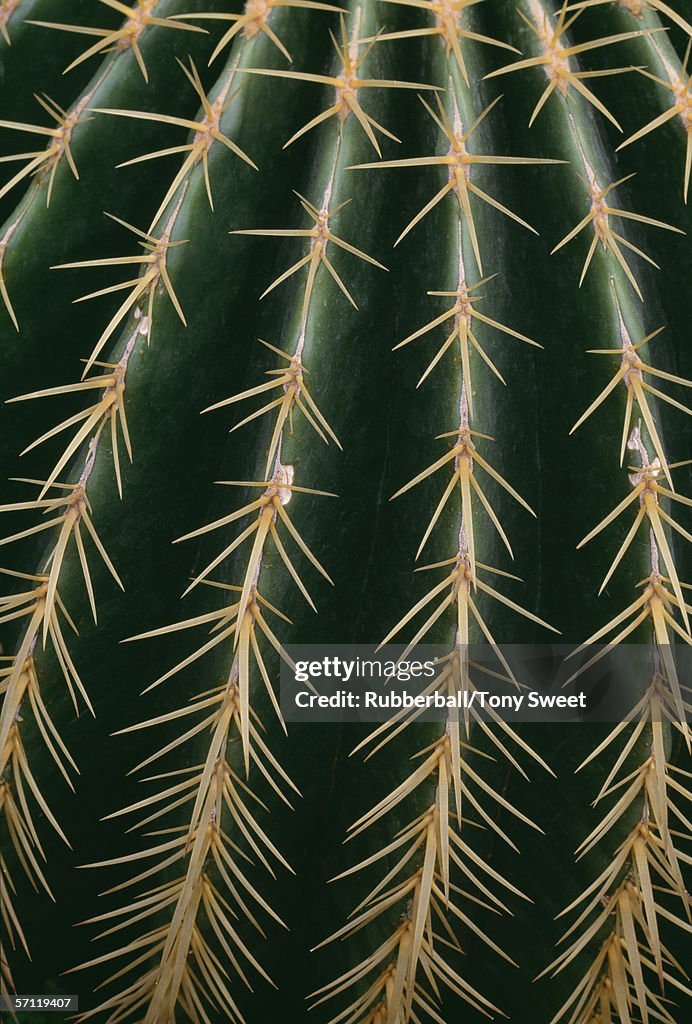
155	271
420	884
638	8
109	408
679	85
32	605
347	85
206	131
633	372
656	604
556	57
465	459
238	622
14	763
462	313
4	243
256	12
291	381
599	217
457	588
632	945
45	162
70	512
459	163
270	509
647	491
138	18
447	21
7	9
320	236
255	19
185	962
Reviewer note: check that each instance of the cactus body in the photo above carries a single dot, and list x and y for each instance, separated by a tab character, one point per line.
291	191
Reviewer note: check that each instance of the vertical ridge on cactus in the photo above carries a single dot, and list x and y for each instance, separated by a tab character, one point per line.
193	829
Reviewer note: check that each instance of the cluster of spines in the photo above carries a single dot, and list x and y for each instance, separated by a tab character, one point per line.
181	975
669	703
41	165
677	82
256	18
63	509
207	131
63	506
139	17
559	58
41	608
270	508
623	906
449	24
417	893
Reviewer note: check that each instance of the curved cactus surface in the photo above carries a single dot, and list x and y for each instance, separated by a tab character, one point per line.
342	323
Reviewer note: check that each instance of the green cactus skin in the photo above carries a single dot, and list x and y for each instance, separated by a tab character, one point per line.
290	214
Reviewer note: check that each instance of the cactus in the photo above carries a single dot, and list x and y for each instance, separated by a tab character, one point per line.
295	305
